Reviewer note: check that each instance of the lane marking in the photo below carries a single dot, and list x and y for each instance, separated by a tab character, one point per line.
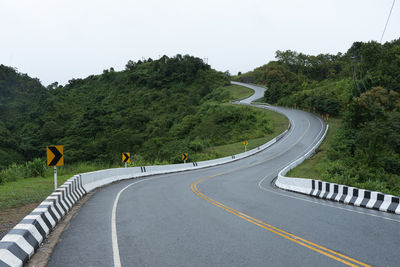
322	204
311	201
296	239
303	242
114	235
283	151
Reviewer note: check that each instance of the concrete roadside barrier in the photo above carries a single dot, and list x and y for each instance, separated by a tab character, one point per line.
335	192
18	245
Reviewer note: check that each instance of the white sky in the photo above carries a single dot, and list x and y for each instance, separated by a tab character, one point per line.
56	40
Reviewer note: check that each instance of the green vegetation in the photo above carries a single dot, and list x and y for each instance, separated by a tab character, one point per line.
313	167
362	87
277	121
157	110
29	190
34	188
151	109
239	92
32	168
19	192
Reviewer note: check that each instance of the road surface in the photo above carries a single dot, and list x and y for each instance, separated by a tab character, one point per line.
229	215
258	93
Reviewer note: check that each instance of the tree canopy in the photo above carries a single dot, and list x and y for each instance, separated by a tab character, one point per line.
362	86
142	109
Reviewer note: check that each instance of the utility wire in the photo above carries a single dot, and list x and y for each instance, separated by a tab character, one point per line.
387	21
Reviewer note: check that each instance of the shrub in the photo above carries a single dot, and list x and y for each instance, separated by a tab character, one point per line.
197	145
36	167
13	172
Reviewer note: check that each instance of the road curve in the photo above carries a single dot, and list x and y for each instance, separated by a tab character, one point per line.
258	92
228	215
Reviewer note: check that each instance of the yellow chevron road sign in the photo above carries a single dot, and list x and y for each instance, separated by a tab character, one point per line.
55	155
126	157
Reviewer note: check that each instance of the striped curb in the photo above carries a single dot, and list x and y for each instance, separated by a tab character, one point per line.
19	244
355	196
335	192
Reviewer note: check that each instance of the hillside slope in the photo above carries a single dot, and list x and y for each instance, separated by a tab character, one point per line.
362	87
156	109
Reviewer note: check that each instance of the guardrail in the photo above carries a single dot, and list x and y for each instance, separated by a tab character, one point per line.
18	245
336	192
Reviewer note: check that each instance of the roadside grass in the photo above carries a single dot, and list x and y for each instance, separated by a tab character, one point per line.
316	166
18	197
236	148
23	191
238	92
259	101
28	190
310	167
279	122
36	189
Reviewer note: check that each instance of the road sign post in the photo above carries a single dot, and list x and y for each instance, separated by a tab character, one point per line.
184	157
245	143
55	157
55	177
126	158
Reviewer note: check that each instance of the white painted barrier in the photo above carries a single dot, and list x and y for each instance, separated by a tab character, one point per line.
336	192
286	183
19	244
93	180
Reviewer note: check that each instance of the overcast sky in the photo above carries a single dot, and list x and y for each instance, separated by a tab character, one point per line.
56	40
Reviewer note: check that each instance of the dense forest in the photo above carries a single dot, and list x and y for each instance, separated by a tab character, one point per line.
156	109
362	87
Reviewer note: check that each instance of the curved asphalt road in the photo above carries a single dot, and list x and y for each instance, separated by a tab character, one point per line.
258	92
229	215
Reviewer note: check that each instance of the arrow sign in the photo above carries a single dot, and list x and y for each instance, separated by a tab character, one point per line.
184	156
55	155
126	157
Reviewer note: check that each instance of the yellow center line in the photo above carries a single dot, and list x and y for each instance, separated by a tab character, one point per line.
301	241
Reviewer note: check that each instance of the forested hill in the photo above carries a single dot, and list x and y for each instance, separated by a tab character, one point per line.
152	109
328	82
20	101
362	87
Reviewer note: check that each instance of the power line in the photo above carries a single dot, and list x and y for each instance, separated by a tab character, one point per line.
387	21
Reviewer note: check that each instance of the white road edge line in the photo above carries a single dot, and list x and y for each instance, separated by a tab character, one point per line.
323	204
314	202
114	235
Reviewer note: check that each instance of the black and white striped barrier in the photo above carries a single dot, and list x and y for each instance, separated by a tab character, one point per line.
19	244
355	196
336	192
23	240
